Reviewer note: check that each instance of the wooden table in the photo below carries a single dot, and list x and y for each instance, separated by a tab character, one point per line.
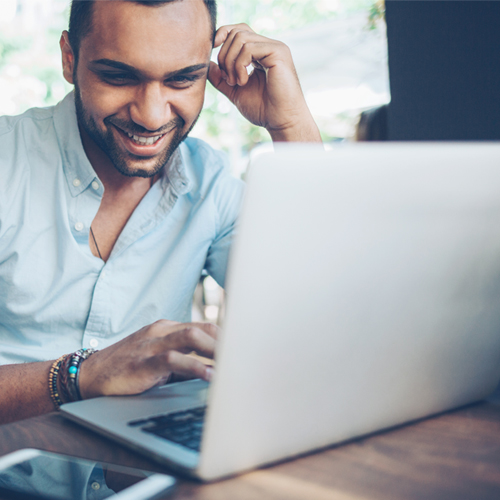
453	456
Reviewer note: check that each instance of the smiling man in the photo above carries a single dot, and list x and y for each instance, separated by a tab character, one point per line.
109	212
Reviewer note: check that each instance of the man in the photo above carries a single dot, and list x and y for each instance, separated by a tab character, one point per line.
108	214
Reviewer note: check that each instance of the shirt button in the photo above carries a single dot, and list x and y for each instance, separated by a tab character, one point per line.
96	485
79	226
76	182
94	342
95	185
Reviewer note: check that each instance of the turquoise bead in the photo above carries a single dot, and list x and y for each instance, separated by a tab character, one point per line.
72	369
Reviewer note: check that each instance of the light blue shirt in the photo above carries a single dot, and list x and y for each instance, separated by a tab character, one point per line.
55	295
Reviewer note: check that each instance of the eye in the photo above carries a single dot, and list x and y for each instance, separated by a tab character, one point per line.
118	79
182	81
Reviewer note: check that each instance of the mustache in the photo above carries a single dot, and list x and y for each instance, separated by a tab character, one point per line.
135	129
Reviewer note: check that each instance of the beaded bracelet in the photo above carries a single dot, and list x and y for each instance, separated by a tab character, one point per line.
63	377
74	370
64	386
70	372
53	372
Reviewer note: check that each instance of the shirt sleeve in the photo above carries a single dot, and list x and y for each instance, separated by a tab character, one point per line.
228	197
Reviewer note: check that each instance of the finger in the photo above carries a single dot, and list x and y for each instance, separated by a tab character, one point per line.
222	55
189	339
160	328
209	328
244	59
223	32
164	327
215	78
233	43
246	48
183	365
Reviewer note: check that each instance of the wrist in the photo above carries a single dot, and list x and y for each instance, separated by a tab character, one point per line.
64	378
82	381
305	131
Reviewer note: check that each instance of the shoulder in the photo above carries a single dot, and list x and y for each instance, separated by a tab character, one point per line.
23	139
22	133
32	119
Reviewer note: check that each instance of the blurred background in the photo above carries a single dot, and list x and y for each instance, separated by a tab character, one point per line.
339	48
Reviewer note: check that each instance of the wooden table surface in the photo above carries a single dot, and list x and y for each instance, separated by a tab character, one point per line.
453	456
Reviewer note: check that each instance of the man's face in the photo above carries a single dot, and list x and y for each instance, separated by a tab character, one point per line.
140	80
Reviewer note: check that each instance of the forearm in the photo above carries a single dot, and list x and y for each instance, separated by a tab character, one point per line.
24	391
131	366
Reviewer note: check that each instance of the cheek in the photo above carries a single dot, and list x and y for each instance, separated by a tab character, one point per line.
190	103
101	101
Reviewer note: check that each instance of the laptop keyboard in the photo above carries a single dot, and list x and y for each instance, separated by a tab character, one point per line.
182	427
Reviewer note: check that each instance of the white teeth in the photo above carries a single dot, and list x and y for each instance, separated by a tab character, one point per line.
144	141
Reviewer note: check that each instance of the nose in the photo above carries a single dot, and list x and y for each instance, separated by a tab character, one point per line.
150	107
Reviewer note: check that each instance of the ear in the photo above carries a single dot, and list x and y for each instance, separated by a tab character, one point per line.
68	58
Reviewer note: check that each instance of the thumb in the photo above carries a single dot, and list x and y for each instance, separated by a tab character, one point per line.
216	79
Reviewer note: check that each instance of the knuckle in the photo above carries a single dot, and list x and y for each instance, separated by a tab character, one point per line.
162	323
240	36
155	328
170	357
285	49
193	335
246	49
212	329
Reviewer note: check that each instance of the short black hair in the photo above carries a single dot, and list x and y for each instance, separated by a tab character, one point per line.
80	18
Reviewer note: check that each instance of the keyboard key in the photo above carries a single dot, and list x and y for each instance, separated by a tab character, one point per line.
183	427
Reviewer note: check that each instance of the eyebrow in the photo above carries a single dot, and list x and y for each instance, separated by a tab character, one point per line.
126	67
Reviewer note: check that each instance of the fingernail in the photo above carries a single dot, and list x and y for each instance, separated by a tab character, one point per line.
209	373
223	74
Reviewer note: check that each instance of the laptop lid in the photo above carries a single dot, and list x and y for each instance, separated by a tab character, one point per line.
364	292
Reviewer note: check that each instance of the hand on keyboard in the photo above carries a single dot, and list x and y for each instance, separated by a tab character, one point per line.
148	358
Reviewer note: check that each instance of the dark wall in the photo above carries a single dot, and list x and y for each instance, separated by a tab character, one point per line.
444	66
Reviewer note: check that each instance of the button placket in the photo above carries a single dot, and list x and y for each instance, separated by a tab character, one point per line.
98	321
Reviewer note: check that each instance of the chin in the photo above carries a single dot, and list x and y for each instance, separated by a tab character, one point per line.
131	170
132	166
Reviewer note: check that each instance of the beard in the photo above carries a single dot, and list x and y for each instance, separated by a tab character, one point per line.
127	163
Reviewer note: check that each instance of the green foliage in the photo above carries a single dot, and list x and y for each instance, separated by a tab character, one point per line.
375	14
285	15
269	18
219	121
49	76
10	45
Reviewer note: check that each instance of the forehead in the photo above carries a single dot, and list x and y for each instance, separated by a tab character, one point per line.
166	37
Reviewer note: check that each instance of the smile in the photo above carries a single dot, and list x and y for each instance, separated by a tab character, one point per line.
144	141
143	145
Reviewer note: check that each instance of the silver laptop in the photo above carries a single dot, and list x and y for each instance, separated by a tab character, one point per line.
364	292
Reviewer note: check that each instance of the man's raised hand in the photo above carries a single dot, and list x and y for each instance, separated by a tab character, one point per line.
270	96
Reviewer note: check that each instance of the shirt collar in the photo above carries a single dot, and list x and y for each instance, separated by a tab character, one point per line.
177	175
77	167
